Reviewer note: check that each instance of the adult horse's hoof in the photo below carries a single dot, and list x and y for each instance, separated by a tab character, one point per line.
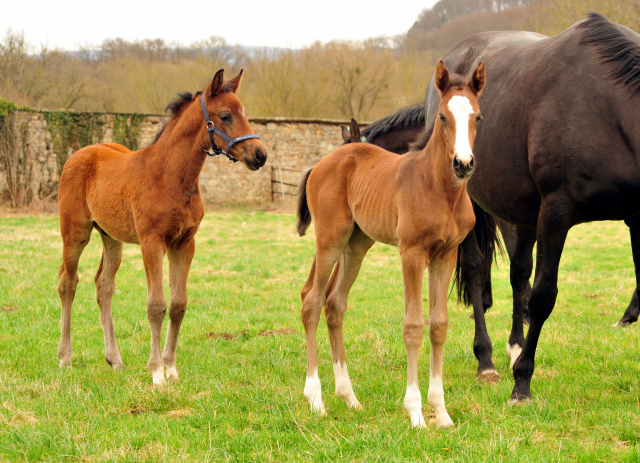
519	399
622	323
488	377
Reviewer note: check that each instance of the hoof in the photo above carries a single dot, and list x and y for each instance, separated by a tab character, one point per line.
65	364
488	377
317	408
417	422
443	423
118	367
519	401
354	404
621	324
172	374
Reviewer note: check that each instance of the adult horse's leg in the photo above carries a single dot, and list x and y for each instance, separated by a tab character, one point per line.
330	243
510	237
76	233
105	287
345	273
414	262
553	225
152	254
521	267
472	266
633	310
440	270
179	264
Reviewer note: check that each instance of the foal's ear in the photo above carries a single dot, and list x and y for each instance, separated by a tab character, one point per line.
355	131
478	79
216	84
443	82
234	84
346	136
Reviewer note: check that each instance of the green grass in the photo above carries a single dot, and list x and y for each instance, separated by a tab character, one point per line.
241	399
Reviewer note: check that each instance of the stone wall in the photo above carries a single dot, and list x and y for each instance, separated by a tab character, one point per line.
291	145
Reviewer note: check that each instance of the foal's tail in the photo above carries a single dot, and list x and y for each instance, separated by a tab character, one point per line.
488	242
304	214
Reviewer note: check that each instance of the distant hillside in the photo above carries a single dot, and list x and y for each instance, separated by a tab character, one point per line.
449	21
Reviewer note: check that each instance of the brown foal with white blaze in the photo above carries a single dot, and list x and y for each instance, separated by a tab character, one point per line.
150	197
360	194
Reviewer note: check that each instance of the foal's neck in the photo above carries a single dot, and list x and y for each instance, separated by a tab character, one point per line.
438	167
180	149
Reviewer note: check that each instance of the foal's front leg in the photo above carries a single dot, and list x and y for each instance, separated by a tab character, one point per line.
414	262
179	264
440	270
152	255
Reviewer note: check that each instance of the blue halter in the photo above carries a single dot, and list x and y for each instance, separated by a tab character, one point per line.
215	151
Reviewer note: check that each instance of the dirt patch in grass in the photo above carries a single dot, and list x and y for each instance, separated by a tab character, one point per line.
179	413
280	332
227	336
9	308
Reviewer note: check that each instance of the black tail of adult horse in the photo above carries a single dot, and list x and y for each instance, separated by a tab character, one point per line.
486	234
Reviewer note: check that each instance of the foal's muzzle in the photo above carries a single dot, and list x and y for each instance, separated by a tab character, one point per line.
463	169
257	158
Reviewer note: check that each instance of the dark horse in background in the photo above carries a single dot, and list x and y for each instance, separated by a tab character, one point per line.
559	146
563	152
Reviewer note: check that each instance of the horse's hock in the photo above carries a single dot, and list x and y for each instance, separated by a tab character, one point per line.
291	143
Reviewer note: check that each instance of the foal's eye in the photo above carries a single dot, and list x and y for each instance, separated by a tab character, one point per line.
478	118
442	118
225	117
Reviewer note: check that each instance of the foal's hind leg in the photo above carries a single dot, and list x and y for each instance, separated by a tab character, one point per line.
344	275
179	264
105	287
330	242
75	236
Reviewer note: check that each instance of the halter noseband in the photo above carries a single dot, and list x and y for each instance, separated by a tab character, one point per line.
211	128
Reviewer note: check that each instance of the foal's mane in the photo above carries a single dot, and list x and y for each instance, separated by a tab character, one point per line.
613	47
177	104
174	107
406	117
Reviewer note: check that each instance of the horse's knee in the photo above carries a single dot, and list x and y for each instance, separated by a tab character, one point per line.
412	332
542	301
156	309
438	329
177	311
334	312
67	284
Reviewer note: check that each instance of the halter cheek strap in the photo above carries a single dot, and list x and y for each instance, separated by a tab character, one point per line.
211	129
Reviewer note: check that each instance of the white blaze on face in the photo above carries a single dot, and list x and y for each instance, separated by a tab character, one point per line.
461	109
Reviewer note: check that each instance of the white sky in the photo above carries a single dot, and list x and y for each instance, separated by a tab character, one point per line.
66	24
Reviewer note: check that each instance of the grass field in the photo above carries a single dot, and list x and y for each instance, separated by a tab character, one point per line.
240	395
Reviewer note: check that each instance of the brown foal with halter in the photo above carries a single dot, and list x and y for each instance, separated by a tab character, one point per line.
360	194
150	197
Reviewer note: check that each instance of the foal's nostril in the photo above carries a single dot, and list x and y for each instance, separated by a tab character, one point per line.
457	165
261	156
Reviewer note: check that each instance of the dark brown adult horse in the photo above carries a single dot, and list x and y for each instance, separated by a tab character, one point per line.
560	146
150	197
360	194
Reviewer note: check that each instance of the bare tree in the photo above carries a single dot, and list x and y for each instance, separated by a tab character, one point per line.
15	158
